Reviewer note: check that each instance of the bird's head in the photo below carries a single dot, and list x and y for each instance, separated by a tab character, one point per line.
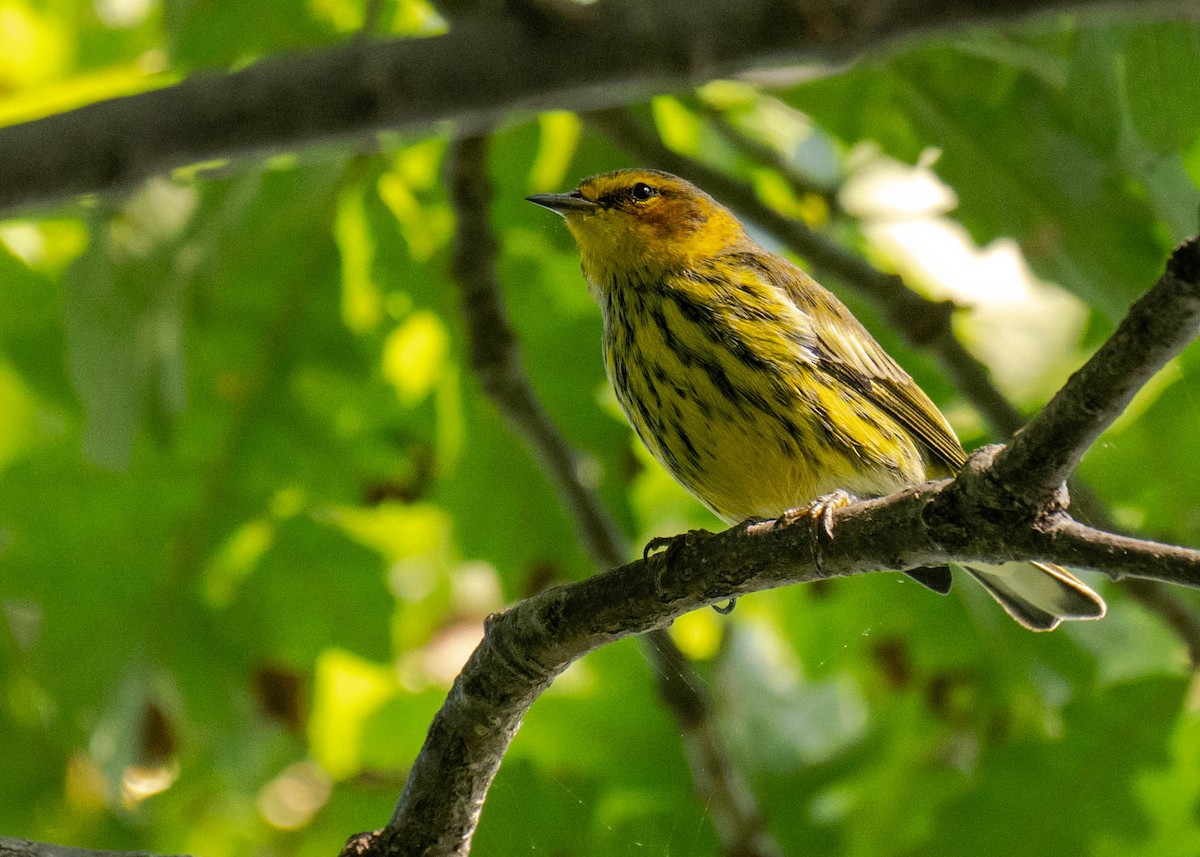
634	225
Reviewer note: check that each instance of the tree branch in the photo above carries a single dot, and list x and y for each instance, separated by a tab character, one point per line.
494	356
11	846
756	150
526	647
1158	598
483	70
1157	327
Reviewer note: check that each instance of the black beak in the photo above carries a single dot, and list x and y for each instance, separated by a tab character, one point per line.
563	202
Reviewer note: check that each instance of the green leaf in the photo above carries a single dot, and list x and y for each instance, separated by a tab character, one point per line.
1055	797
312	589
1162	79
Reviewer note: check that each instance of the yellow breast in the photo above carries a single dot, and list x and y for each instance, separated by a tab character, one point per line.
740	412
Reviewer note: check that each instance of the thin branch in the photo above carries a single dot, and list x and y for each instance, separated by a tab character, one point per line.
484	69
1120	556
11	846
494	356
372	18
925	323
758	151
1158	598
495	359
1157	328
1154	596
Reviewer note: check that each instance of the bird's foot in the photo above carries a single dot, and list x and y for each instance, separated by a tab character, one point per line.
820	512
673	545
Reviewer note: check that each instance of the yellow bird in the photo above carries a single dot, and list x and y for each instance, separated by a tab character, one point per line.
753	385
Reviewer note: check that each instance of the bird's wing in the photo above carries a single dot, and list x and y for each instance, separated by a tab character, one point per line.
853	356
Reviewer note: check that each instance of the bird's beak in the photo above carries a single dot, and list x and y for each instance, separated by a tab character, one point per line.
563	203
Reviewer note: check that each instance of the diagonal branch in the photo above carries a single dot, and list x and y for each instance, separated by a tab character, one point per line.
1157	328
526	647
484	69
11	846
756	150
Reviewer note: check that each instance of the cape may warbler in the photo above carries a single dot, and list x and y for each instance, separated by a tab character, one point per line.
754	386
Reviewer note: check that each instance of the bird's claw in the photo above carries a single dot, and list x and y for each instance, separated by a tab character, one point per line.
820	512
675	543
656	544
822	508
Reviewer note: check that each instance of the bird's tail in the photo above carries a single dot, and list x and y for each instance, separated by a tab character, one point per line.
1037	594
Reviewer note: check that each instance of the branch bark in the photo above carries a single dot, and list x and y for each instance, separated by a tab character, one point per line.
526	647
483	70
11	846
1157	327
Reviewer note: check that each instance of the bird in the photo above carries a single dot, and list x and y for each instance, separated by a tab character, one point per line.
754	386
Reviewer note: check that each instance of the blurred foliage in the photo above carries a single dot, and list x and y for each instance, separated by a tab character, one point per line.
253	506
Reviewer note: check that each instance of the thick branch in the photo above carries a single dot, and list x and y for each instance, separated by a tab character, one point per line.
972	519
1159	326
527	646
484	69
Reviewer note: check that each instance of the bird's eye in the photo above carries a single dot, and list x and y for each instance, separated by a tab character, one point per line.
641	192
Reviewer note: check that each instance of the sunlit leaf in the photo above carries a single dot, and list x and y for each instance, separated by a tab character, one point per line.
414	356
348	691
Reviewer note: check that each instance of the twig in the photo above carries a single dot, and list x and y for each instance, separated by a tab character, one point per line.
372	17
11	846
484	69
1156	597
495	358
1156	328
755	150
